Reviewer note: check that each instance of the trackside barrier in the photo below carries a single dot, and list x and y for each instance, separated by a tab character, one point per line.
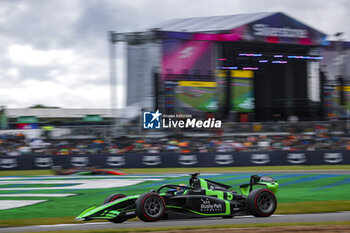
165	160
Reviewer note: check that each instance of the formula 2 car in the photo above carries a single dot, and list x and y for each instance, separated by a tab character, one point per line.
201	198
86	171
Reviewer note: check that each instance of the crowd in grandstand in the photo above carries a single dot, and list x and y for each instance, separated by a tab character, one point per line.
15	145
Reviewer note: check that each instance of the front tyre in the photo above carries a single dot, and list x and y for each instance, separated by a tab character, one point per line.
150	207
111	198
261	202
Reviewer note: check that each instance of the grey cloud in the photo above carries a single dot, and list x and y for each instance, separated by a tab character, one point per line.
81	26
43	24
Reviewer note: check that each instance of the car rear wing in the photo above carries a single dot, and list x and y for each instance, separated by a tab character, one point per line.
256	181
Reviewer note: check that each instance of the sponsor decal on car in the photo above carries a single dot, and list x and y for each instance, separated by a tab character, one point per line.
208	206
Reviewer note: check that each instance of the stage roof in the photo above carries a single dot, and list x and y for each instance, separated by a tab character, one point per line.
211	23
271	27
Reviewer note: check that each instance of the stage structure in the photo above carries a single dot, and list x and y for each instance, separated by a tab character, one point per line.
261	67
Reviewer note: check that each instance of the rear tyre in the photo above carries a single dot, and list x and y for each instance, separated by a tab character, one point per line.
111	198
261	202
150	207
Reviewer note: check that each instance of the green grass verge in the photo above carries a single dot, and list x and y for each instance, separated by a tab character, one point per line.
26	173
256	225
313	207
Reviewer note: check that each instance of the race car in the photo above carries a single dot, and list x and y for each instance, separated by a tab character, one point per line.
86	171
200	198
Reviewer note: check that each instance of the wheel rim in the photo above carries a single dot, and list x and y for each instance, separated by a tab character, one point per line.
266	202
153	206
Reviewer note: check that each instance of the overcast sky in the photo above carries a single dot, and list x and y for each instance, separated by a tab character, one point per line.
55	52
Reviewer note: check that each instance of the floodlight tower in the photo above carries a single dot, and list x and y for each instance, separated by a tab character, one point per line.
112	39
341	74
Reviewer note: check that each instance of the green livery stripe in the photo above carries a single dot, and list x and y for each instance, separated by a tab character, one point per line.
86	211
113	212
219	194
103	217
245	189
119	210
228	208
204	184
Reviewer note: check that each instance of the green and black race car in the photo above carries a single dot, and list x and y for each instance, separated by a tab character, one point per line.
201	198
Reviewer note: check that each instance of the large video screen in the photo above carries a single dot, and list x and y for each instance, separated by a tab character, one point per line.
179	56
185	68
197	95
239	89
242	92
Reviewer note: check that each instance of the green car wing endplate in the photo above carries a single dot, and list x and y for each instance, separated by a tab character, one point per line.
273	187
82	215
103	211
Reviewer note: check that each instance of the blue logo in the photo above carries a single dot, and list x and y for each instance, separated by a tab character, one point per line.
152	120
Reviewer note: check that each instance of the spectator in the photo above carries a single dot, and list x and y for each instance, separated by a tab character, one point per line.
17	145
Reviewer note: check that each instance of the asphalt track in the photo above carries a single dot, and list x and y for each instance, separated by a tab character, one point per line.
300	218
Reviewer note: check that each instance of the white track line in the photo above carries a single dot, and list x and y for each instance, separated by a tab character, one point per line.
11	204
38	195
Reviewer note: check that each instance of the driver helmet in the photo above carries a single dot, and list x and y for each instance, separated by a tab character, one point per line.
181	190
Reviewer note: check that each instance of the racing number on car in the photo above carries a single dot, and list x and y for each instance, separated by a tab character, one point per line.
229	196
